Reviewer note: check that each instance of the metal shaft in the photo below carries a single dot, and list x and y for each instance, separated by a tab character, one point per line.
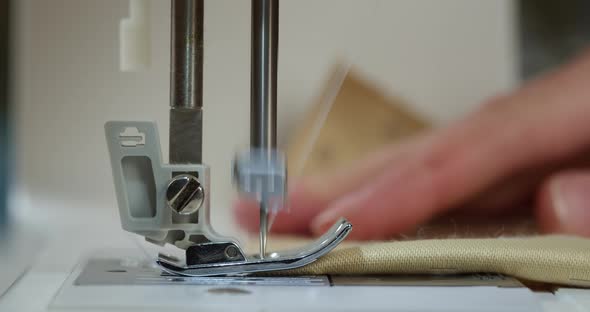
263	83
186	81
263	88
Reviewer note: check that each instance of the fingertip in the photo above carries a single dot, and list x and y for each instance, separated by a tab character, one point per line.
563	204
350	208
303	203
360	230
547	220
320	224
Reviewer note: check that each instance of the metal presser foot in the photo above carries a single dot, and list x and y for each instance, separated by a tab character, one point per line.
276	261
169	203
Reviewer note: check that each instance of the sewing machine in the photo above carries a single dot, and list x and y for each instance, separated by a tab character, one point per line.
169	204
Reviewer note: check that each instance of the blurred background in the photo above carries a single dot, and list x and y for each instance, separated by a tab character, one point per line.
5	30
442	57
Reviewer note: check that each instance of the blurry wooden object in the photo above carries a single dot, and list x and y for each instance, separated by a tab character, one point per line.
351	119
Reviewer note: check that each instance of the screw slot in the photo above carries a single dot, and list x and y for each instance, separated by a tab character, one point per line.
185	194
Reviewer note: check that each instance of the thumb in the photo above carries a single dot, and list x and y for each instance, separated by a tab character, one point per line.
563	203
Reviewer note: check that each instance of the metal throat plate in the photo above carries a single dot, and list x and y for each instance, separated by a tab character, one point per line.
120	272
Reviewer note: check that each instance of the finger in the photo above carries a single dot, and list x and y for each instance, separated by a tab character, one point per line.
519	191
563	204
309	195
542	123
511	196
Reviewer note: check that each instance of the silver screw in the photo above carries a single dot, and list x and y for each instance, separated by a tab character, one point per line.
231	252
184	194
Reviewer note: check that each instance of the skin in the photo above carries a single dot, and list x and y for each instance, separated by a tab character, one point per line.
527	150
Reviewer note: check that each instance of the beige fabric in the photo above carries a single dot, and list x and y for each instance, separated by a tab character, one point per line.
327	141
552	259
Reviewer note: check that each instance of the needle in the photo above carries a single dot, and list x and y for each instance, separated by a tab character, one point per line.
263	91
263	228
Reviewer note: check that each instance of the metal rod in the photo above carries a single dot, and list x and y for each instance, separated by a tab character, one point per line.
186	81
186	61
263	83
263	89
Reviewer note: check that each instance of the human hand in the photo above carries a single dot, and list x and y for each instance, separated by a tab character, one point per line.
524	149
